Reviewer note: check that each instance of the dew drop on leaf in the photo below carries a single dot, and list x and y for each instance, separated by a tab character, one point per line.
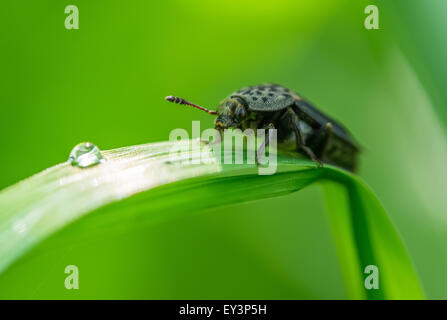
85	155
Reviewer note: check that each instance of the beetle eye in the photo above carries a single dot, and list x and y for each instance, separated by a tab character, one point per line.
240	113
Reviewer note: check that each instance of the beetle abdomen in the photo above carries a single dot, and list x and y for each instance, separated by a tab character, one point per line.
340	153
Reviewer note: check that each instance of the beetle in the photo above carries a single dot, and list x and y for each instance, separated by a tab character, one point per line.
300	126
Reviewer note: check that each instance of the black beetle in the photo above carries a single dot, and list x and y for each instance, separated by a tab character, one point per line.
299	124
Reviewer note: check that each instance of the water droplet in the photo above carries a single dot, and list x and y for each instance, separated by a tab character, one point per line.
85	155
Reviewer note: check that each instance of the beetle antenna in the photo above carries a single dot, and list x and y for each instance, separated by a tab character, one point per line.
183	101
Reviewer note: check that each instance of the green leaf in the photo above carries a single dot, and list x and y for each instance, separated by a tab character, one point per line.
142	184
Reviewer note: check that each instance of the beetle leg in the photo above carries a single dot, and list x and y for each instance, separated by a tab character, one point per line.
321	139
264	144
299	140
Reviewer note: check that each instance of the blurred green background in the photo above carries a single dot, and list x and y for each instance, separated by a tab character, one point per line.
105	83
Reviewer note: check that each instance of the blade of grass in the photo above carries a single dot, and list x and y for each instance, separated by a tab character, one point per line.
156	185
365	236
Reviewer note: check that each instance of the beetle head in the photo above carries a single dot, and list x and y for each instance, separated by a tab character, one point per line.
231	113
